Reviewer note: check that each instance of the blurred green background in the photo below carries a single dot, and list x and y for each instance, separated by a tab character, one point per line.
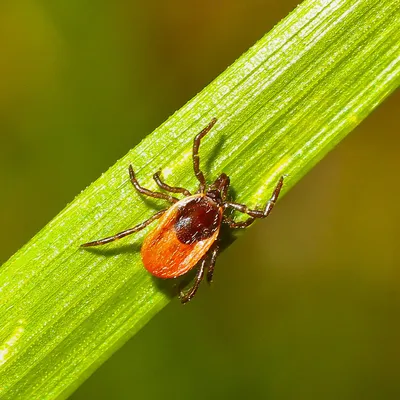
306	304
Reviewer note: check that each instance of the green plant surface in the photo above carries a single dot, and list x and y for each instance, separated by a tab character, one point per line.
281	107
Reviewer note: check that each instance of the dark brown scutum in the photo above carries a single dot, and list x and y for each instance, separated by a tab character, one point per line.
197	220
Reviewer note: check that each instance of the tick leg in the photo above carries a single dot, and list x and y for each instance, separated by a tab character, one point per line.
210	270
225	188
238	225
172	189
147	192
196	160
258	213
185	297
122	234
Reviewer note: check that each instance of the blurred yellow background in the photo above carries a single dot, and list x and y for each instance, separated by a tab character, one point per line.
306	304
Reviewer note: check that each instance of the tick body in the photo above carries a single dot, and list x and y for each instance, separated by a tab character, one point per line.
187	233
183	236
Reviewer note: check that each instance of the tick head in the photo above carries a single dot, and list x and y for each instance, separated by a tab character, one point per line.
218	190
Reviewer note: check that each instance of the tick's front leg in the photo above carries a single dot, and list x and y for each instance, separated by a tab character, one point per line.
258	213
172	189
147	192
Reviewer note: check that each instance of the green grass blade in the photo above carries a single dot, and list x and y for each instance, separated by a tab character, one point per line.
281	107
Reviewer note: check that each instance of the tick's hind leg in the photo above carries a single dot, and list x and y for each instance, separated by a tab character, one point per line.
210	269
187	296
120	235
172	189
257	213
142	190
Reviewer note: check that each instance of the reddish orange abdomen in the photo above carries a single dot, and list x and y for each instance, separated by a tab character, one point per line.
164	255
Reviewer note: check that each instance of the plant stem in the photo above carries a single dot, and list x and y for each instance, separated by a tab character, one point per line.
281	108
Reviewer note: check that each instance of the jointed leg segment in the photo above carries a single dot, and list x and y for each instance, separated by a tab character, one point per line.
120	235
258	213
172	189
238	225
142	190
253	213
211	266
185	297
196	160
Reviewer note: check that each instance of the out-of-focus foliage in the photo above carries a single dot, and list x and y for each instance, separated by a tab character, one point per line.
304	306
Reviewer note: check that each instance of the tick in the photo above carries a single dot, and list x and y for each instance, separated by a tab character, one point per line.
188	231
